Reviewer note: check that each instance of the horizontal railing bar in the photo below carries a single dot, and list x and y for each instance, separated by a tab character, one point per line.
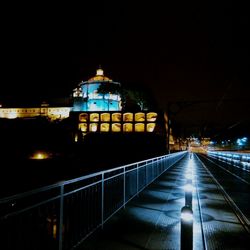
135	178
30	207
58	184
81	188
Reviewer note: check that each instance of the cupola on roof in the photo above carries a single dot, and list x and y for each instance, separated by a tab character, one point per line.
99	77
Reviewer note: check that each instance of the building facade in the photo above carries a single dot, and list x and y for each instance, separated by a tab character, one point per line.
99	93
51	113
96	107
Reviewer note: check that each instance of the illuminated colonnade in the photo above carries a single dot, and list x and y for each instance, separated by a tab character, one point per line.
117	122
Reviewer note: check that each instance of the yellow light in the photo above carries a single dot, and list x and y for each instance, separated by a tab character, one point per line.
39	156
116	117
104	127
150	127
116	127
139	127
12	115
93	127
127	127
140	117
83	117
94	117
105	117
83	127
151	117
54	231
128	117
76	138
99	72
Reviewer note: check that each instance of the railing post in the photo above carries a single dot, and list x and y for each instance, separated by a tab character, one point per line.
156	169
124	187
60	245
137	179
102	212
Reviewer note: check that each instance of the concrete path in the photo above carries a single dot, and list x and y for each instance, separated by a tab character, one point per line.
152	220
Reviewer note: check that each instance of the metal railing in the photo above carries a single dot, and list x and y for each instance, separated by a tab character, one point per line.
241	160
62	215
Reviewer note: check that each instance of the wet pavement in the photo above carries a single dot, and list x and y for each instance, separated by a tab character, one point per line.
152	219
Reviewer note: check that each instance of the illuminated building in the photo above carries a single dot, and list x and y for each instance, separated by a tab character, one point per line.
52	113
116	121
89	97
97	107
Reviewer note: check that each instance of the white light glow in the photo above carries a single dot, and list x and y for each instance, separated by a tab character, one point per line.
187	216
99	72
189	176
188	188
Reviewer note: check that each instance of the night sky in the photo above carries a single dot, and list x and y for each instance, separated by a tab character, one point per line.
192	57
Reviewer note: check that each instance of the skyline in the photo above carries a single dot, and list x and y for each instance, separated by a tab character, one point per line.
195	55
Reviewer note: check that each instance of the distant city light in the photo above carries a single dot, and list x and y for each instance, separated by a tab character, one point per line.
241	141
12	115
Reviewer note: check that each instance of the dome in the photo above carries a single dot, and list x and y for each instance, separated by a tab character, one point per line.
99	77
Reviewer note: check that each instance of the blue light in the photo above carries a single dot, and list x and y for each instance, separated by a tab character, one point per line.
93	100
242	141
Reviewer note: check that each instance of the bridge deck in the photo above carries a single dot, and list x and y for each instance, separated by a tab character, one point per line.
152	220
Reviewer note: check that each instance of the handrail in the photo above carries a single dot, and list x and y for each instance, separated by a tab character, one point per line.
237	159
64	214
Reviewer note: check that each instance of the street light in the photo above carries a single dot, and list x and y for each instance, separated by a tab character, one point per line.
186	228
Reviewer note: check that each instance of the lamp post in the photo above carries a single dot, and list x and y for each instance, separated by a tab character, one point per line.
167	124
186	240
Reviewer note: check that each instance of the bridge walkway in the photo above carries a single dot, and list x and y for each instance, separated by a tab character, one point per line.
152	220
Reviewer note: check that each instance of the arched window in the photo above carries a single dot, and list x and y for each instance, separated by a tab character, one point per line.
128	127
150	127
94	117
104	127
116	127
105	117
151	117
83	117
140	117
93	127
83	127
116	117
128	117
139	127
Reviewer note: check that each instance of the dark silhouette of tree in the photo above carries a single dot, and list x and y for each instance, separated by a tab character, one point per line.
109	88
137	99
133	99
